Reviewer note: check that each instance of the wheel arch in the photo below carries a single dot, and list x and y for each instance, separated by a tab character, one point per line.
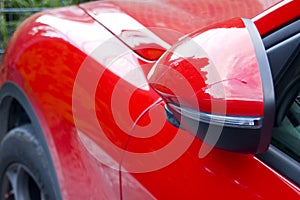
10	93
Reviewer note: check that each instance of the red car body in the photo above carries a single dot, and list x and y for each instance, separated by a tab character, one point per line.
42	71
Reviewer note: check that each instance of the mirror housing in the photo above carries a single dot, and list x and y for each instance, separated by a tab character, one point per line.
217	85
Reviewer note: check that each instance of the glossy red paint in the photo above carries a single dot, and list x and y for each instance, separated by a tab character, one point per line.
223	79
51	40
272	18
220	175
134	22
44	57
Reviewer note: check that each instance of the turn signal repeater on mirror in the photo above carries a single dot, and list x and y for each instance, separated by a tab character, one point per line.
215	119
217	84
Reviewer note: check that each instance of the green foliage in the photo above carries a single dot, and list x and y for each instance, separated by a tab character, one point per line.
39	3
11	18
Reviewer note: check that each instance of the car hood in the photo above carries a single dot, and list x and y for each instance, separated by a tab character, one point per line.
150	27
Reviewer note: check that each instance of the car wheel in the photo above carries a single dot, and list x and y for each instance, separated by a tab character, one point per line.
24	169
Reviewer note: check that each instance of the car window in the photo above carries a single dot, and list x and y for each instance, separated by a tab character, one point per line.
286	132
286	136
283	50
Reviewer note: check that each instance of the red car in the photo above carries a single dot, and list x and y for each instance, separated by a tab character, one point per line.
153	100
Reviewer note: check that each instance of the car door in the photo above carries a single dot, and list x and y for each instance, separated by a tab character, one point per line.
177	172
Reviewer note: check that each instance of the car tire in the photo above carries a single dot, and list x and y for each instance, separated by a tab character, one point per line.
24	168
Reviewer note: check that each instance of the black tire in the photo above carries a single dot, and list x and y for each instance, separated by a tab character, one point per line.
24	169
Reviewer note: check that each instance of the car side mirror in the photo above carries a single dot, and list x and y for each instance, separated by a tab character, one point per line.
217	85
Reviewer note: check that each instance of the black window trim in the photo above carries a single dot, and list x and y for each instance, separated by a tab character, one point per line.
282	163
274	157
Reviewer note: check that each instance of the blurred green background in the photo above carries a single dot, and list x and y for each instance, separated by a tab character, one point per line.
13	12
